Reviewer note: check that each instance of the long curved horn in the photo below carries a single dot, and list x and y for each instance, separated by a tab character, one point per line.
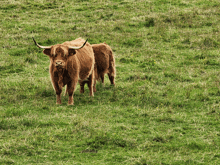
71	47
42	47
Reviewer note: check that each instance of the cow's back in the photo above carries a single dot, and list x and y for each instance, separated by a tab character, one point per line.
101	57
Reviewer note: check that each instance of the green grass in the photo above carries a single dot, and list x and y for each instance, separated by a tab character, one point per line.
165	108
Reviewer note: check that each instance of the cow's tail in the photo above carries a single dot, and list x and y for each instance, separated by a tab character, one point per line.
112	69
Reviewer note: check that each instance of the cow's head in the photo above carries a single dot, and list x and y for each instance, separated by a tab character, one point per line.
59	53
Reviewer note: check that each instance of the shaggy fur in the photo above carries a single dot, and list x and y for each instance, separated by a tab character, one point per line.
104	63
68	66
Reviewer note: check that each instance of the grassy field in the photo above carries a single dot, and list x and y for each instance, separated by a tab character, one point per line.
165	108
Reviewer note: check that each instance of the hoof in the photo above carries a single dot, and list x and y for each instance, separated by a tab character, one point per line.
70	103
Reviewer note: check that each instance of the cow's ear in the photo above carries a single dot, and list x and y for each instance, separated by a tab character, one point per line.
47	51
72	52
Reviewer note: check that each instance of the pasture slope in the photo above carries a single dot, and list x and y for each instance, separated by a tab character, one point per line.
165	108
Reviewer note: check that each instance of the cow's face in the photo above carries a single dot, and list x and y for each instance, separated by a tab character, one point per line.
59	55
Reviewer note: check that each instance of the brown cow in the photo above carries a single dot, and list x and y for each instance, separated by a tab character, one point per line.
104	63
70	62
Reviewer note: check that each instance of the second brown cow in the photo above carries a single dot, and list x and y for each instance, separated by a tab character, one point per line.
104	64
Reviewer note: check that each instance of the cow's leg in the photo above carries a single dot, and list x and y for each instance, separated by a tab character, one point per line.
71	86
111	78
82	86
58	98
58	93
94	86
90	83
102	77
57	89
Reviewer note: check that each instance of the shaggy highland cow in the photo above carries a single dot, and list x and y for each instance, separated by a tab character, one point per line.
70	62
104	63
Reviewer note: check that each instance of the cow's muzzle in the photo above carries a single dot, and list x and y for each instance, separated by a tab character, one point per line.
59	63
